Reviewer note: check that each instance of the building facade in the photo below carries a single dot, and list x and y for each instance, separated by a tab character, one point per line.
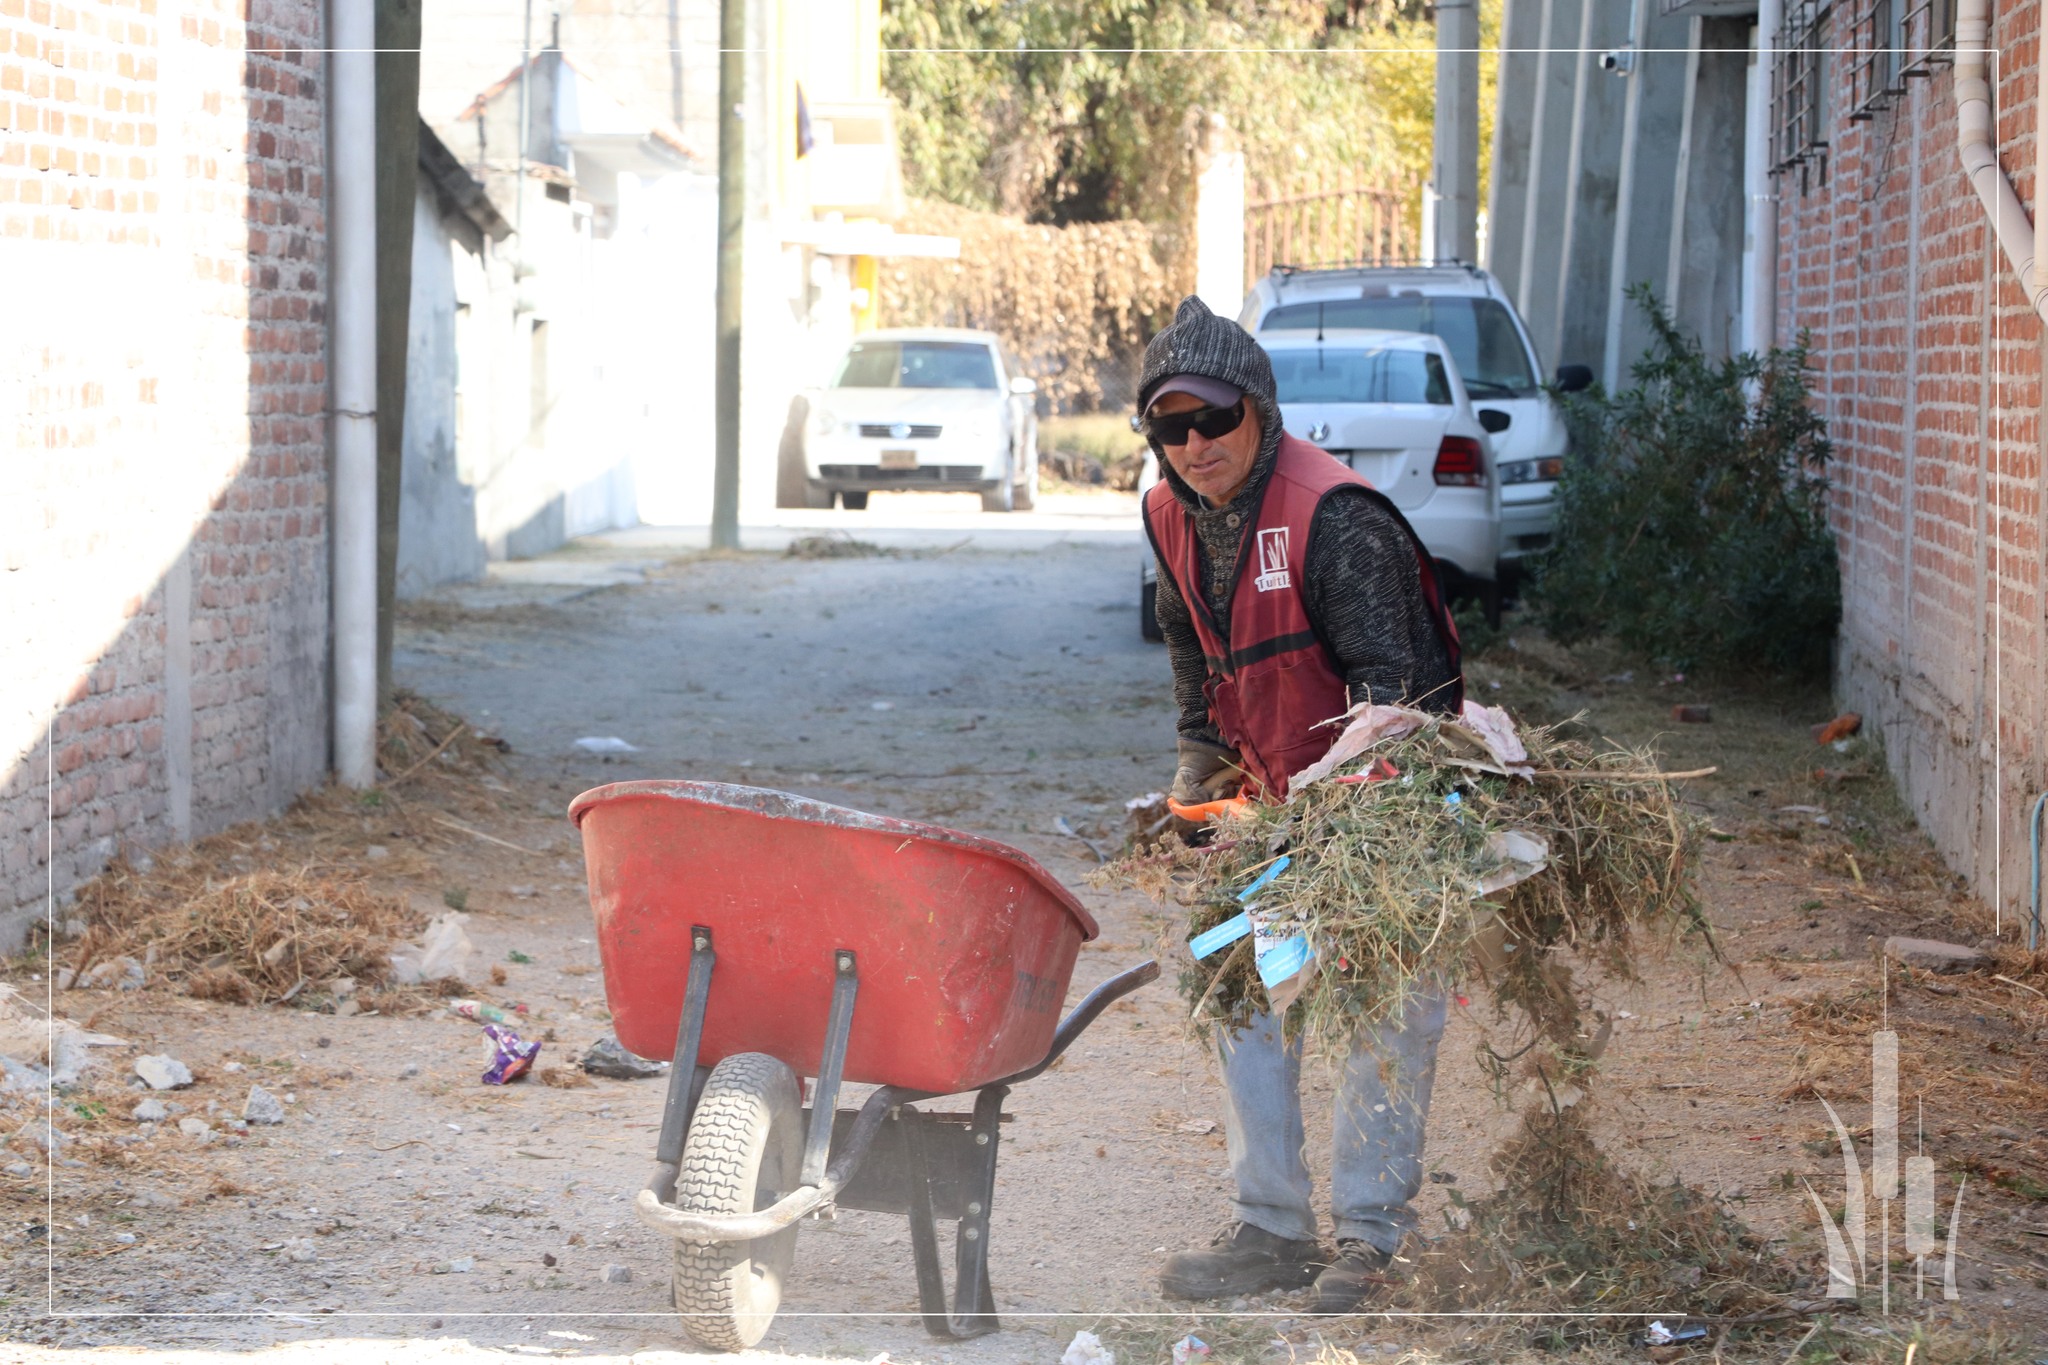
163	412
1805	182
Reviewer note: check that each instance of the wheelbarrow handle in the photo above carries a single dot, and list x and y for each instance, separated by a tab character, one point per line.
1086	1013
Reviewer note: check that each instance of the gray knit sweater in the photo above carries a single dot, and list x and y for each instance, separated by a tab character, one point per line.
1362	586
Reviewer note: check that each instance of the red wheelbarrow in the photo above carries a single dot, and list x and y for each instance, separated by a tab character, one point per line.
959	951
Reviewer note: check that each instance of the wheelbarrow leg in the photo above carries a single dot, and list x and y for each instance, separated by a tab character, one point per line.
972	1312
831	1066
683	1080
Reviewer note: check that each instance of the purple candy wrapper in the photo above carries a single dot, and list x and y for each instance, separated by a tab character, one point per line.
510	1057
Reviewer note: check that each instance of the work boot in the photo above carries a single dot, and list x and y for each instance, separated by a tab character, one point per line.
1359	1269
1241	1260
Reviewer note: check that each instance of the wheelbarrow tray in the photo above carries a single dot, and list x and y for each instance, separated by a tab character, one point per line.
966	945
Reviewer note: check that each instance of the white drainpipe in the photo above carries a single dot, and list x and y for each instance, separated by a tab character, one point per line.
2019	238
352	301
1760	317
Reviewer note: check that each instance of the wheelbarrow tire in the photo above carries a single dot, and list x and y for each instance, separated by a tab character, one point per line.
745	1149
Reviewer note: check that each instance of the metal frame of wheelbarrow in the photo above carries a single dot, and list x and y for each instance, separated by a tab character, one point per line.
885	1157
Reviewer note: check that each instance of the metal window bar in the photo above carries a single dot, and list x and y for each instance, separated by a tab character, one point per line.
1362	223
1799	90
1930	28
1877	42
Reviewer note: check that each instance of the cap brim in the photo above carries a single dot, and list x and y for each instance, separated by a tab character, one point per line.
1215	392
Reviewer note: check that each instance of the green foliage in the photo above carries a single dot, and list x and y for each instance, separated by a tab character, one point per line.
1088	110
1692	516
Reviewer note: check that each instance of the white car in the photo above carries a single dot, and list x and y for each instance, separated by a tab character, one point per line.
1467	308
926	408
1391	406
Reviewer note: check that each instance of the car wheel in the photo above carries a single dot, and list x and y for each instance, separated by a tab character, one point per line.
1003	497
1148	610
854	502
1026	496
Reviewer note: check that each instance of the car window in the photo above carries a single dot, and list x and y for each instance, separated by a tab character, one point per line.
916	365
1480	332
1341	374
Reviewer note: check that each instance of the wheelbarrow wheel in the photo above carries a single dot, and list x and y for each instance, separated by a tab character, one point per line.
744	1151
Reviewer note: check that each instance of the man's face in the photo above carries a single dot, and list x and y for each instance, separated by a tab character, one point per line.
1216	469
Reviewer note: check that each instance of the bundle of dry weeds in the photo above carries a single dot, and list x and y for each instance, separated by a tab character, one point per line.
248	939
416	738
1419	859
1567	1229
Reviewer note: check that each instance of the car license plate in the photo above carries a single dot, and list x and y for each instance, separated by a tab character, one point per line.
899	459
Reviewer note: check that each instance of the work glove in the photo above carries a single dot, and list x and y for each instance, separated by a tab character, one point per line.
1206	772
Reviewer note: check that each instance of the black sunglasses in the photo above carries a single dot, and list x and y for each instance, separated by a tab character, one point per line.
1172	428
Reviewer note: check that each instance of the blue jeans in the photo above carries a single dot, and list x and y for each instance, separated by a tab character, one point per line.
1381	1104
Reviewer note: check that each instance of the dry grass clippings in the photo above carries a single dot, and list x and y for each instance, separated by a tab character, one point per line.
253	938
834	546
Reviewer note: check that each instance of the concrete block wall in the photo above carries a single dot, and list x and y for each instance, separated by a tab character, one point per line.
1928	365
163	391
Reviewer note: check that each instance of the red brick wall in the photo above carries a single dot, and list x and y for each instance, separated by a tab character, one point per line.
1928	364
162	425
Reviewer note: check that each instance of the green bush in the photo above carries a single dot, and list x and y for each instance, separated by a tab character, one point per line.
1692	517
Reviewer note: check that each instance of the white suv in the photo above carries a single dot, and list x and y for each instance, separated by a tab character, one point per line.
1467	308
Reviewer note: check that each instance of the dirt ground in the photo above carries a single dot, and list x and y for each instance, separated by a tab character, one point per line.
998	686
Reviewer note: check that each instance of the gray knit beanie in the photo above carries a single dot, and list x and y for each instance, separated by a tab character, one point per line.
1199	342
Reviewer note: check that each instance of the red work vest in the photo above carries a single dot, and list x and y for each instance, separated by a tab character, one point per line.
1274	680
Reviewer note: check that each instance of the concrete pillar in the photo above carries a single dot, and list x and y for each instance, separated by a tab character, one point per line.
1507	201
1549	166
1651	123
1219	221
1703	275
1456	165
1587	250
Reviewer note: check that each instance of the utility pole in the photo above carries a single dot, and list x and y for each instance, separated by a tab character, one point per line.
1456	170
732	216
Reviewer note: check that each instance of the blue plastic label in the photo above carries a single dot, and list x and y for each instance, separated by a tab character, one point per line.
1228	932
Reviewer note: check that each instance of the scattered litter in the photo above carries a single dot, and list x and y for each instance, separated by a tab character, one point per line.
1838	729
1189	1348
606	744
160	1072
1659	1335
484	1014
510	1057
1087	1349
461	1265
517	957
616	1274
150	1110
262	1107
1693	715
608	1057
441	954
1199	1127
1066	828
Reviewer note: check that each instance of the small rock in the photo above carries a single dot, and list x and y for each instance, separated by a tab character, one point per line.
1693	715
45	1136
20	1168
150	1110
348	1007
408	1071
376	853
299	1249
547	1258
160	1072
198	1128
125	1238
262	1107
461	1265
1932	955
616	1274
608	1057
232	1068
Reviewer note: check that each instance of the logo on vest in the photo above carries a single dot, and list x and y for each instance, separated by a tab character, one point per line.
1273	560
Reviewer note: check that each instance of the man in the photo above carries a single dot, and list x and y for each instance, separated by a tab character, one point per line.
1289	590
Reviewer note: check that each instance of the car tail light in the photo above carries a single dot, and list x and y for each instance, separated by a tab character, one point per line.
1460	463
